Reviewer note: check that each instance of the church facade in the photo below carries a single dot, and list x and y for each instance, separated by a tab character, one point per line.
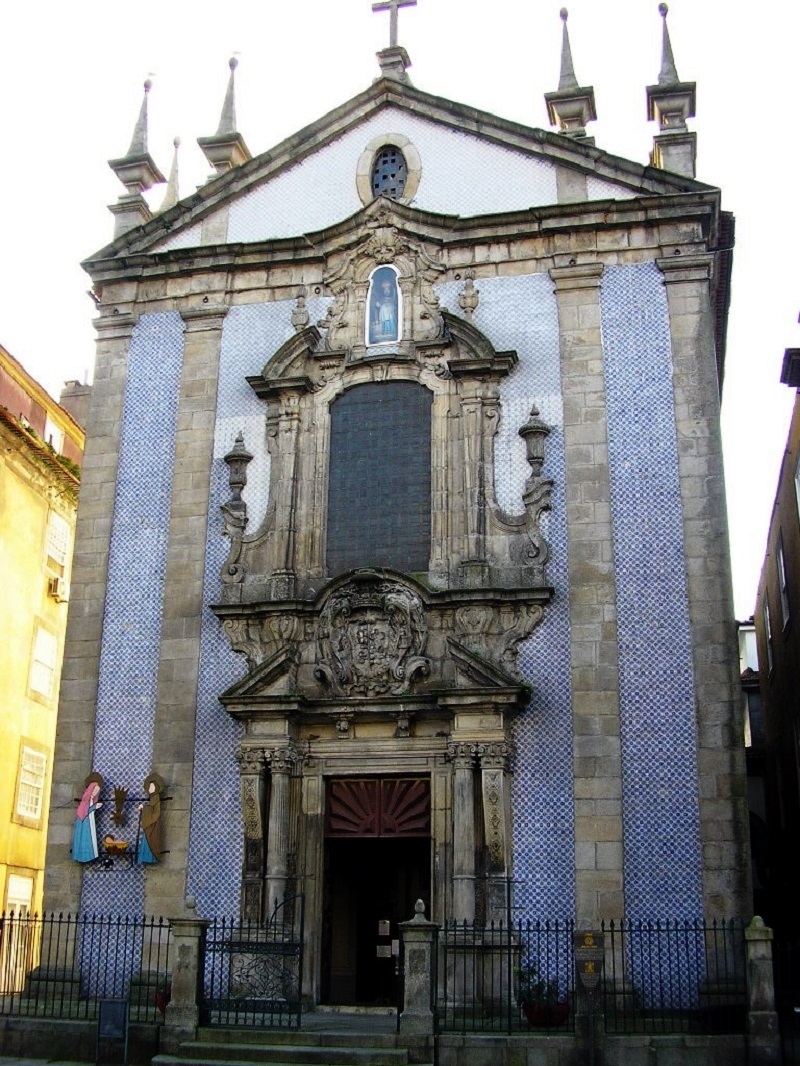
401	557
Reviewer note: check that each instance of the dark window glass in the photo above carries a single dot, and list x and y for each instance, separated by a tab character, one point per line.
379	490
389	172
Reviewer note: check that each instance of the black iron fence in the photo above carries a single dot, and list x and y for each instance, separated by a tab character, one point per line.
786	965
253	971
506	977
675	977
60	965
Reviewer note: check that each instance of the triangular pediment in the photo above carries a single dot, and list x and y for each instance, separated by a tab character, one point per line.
277	195
273	677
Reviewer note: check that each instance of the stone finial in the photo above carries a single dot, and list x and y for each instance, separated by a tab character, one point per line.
300	315
137	172
227	148
668	75
172	195
469	297
671	102
572	106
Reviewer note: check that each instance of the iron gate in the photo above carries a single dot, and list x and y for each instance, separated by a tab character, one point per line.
253	971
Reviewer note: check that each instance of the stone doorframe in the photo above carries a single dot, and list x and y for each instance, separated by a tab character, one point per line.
460	741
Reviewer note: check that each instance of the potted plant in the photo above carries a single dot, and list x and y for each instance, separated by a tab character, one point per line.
539	998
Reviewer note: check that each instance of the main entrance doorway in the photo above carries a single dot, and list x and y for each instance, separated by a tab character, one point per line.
377	864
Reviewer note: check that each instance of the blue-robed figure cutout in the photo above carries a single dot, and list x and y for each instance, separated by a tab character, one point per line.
383	307
84	838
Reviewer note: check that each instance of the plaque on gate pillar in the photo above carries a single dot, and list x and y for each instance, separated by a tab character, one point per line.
589	950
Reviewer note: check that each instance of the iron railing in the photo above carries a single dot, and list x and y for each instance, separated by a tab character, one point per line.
506	977
253	971
675	977
786	967
60	965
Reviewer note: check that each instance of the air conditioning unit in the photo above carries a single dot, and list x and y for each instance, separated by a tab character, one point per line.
57	588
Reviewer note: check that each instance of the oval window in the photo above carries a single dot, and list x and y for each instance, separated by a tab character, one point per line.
389	173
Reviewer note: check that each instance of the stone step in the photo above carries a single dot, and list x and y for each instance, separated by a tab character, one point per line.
309	1038
202	1053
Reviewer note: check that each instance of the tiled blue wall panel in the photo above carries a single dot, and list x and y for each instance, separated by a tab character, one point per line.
657	705
521	313
128	676
251	335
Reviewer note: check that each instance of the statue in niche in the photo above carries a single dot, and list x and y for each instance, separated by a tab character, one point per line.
149	846
84	837
383	307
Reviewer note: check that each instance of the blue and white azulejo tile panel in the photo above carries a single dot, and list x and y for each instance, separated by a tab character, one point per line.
657	701
128	675
520	313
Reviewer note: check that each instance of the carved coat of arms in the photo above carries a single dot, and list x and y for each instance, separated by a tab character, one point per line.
371	637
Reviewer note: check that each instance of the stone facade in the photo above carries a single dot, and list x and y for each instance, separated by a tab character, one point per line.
545	688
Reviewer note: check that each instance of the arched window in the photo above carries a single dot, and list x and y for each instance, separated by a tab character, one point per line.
389	172
379	485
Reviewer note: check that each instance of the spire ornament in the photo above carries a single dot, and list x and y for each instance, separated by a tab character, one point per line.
172	195
227	148
572	106
137	171
670	102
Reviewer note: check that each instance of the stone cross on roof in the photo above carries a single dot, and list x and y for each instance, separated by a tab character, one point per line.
392	7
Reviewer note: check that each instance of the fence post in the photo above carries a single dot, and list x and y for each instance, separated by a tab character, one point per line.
418	934
187	957
763	1035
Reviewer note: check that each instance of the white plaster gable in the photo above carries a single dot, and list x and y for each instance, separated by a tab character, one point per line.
462	174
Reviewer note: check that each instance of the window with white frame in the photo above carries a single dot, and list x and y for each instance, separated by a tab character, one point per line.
797	484
30	784
782	586
767	634
57	543
43	662
53	434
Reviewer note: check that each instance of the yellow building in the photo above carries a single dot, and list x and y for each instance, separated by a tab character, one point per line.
41	448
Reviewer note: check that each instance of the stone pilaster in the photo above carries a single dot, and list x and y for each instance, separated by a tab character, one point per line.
78	693
495	797
252	782
597	763
462	756
721	771
174	726
282	764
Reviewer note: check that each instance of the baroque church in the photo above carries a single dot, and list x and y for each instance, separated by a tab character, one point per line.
401	558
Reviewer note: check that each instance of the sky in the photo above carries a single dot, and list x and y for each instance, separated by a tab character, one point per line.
71	79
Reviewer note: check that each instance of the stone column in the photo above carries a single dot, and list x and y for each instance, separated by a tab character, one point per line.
494	759
78	692
282	763
252	768
462	756
183	1010
418	943
283	427
596	749
724	819
763	1035
179	653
